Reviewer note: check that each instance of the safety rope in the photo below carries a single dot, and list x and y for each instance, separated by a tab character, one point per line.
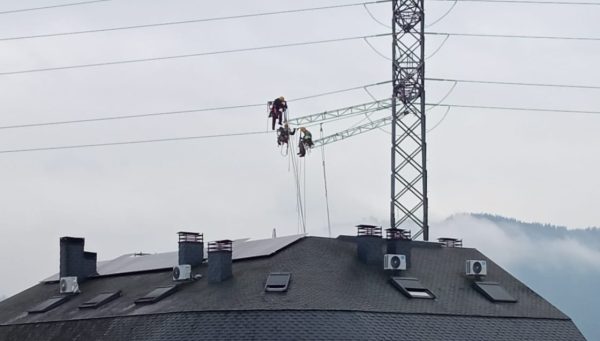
325	182
299	206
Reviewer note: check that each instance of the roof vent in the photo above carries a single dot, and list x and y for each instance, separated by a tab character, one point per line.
368	244
450	242
219	260
191	248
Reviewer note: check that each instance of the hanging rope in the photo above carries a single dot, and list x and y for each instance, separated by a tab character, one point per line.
325	182
299	208
304	194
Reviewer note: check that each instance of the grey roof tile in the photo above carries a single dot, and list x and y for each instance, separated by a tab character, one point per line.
330	291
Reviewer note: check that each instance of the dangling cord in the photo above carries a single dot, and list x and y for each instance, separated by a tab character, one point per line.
300	210
304	205
325	182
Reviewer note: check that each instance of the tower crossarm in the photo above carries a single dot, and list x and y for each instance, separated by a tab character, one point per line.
353	131
347	111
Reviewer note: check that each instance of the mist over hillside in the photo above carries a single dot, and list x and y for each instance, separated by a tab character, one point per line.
560	264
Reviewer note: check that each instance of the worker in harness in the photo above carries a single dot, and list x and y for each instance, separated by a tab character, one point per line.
278	107
305	141
283	134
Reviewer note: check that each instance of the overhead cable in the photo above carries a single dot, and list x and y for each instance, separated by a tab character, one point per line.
92	145
574	86
192	21
51	6
267	132
178	112
443	15
529	2
517	36
568	111
200	54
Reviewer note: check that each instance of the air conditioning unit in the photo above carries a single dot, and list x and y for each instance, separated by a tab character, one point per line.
182	272
394	262
68	285
476	268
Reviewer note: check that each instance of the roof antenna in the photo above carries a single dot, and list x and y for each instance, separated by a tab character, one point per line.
274	235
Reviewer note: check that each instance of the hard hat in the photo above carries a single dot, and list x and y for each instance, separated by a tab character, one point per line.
281	98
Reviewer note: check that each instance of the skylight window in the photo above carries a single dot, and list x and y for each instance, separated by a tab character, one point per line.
49	304
412	287
278	281
100	299
493	292
156	295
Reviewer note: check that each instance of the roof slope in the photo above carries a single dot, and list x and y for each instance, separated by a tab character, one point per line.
297	325
329	285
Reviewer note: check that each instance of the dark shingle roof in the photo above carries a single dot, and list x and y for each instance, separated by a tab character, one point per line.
297	325
329	288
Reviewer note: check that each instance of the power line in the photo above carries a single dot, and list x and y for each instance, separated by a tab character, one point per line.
51	6
178	112
574	86
243	106
92	145
77	146
568	111
211	53
530	2
192	21
518	36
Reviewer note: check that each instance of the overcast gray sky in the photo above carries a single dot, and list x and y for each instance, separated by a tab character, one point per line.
534	166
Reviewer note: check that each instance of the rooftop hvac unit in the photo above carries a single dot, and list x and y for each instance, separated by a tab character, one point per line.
68	285
182	272
394	262
476	268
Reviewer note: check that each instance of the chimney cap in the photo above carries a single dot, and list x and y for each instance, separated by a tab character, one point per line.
220	245
368	230
450	242
72	239
193	237
397	234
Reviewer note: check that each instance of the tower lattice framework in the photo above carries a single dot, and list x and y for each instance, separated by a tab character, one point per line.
409	172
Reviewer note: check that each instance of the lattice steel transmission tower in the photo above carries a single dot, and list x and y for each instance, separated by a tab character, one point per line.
409	172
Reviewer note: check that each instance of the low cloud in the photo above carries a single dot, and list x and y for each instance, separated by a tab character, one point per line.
511	246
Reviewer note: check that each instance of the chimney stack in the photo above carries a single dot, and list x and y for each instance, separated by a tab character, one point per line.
74	261
191	248
450	242
368	244
399	242
219	260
